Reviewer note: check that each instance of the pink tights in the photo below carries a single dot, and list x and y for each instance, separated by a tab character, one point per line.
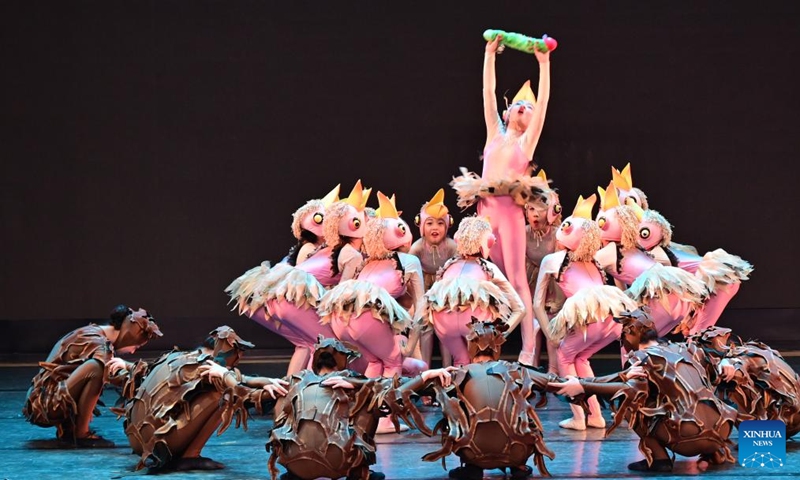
508	253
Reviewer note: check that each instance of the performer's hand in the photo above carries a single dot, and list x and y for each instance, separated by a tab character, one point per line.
115	365
726	370
635	371
494	46
276	387
542	57
212	370
337	382
571	388
441	373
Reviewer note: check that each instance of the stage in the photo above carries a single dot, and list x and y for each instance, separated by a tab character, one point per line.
28	451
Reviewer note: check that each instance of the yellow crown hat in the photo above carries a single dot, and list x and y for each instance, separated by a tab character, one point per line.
332	196
608	197
583	209
358	196
394	204
525	93
386	207
622	180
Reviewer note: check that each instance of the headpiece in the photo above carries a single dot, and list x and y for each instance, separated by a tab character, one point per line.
486	337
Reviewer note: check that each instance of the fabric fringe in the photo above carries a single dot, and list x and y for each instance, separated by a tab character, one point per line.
660	281
351	298
720	267
462	293
284	282
587	306
470	188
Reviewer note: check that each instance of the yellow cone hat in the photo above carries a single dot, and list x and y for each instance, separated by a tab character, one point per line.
525	93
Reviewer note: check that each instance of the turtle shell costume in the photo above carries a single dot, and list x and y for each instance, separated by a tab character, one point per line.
489	416
173	402
764	387
321	431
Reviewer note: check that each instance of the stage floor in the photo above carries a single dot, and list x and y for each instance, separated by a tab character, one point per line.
27	451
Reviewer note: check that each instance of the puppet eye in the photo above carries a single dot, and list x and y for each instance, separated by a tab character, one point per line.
318	218
557	208
601	222
644	232
566	225
355	223
401	229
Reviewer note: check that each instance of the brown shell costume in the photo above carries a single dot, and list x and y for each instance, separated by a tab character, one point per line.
325	432
767	387
676	406
166	404
49	403
490	419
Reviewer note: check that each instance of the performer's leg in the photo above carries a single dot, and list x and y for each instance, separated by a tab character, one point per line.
447	357
187	442
85	385
508	225
713	307
568	350
376	338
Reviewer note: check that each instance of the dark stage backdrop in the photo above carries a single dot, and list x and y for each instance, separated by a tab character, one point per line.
153	151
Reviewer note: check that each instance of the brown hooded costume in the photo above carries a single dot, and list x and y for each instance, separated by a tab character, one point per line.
49	402
322	431
174	403
764	386
675	408
489	413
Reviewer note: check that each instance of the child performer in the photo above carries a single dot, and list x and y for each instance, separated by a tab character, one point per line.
504	185
433	250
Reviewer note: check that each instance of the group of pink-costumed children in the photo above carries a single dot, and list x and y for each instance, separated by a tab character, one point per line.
355	275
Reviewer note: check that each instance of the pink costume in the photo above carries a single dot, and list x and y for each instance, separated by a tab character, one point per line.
284	298
721	272
364	311
670	294
505	184
584	325
469	286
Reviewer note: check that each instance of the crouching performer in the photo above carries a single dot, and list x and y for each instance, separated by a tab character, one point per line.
186	396
66	390
753	377
325	426
673	409
489	417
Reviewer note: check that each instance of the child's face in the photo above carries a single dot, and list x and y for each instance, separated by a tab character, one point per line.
435	229
536	213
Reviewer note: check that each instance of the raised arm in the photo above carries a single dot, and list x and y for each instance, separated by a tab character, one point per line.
534	131
493	122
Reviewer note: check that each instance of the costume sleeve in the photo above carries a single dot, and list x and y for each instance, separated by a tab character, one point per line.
539	300
415	284
350	260
514	301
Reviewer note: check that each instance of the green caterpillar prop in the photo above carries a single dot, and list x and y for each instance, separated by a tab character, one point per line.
521	42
